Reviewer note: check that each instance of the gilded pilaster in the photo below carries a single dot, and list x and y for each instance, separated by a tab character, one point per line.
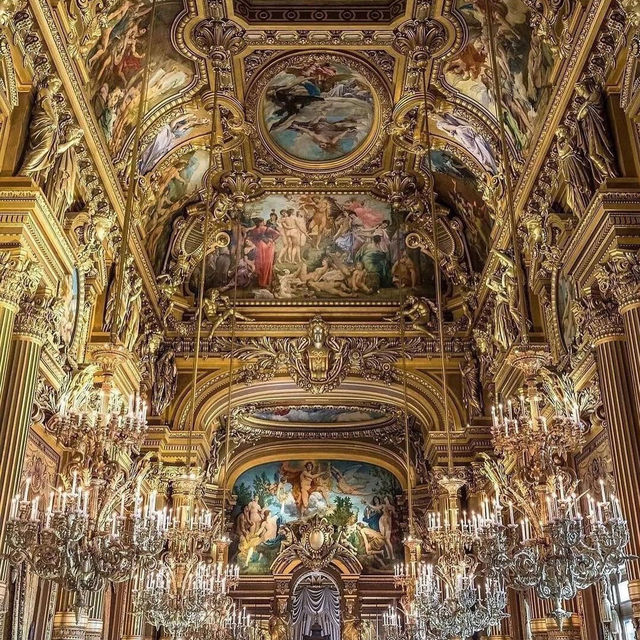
620	278
17	399
617	391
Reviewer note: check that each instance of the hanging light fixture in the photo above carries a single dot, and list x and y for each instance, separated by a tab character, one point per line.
187	594
87	534
540	533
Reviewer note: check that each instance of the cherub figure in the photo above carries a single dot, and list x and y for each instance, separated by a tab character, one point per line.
419	312
217	309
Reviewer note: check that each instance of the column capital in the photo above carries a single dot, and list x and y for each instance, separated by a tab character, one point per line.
619	277
600	319
19	277
34	320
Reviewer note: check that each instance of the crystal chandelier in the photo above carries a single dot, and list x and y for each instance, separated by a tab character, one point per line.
229	622
546	540
82	539
521	432
452	595
189	583
105	419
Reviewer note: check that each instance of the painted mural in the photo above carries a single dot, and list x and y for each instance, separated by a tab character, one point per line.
180	126
358	496
525	65
318	111
317	415
116	63
174	187
459	190
305	246
465	134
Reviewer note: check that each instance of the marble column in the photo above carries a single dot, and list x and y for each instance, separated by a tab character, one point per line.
16	401
616	380
67	623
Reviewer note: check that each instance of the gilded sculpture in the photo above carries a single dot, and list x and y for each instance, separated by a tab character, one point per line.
46	140
471	386
218	309
574	170
594	135
278	622
419	312
165	381
506	315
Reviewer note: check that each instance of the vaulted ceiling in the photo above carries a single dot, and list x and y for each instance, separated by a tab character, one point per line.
318	86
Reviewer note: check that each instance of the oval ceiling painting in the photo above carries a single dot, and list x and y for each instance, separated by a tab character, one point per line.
318	110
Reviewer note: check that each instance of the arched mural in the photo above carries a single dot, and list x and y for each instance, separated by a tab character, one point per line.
115	64
360	498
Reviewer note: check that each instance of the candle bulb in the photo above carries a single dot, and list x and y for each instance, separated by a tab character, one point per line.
27	482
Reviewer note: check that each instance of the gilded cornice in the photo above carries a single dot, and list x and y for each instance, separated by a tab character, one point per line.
28	221
610	222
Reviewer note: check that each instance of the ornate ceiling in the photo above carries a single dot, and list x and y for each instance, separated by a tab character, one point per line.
331	106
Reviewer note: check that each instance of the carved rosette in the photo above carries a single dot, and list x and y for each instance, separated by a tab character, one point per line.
600	318
19	279
620	277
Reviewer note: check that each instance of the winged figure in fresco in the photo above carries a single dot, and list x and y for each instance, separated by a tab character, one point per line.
305	481
350	482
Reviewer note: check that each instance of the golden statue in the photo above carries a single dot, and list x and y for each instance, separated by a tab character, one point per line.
278	627
419	312
44	143
317	352
506	316
217	309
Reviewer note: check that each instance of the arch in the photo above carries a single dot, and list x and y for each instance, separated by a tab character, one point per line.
424	398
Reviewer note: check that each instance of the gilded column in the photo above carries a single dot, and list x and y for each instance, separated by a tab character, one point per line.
619	278
18	280
605	325
16	401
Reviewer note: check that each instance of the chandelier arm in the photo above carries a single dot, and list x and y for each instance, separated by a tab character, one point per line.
133	180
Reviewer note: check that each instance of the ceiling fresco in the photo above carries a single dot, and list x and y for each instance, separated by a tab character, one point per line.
315	103
316	246
115	66
318	415
318	111
525	63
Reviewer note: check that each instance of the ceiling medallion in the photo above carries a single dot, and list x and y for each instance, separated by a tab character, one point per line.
319	112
